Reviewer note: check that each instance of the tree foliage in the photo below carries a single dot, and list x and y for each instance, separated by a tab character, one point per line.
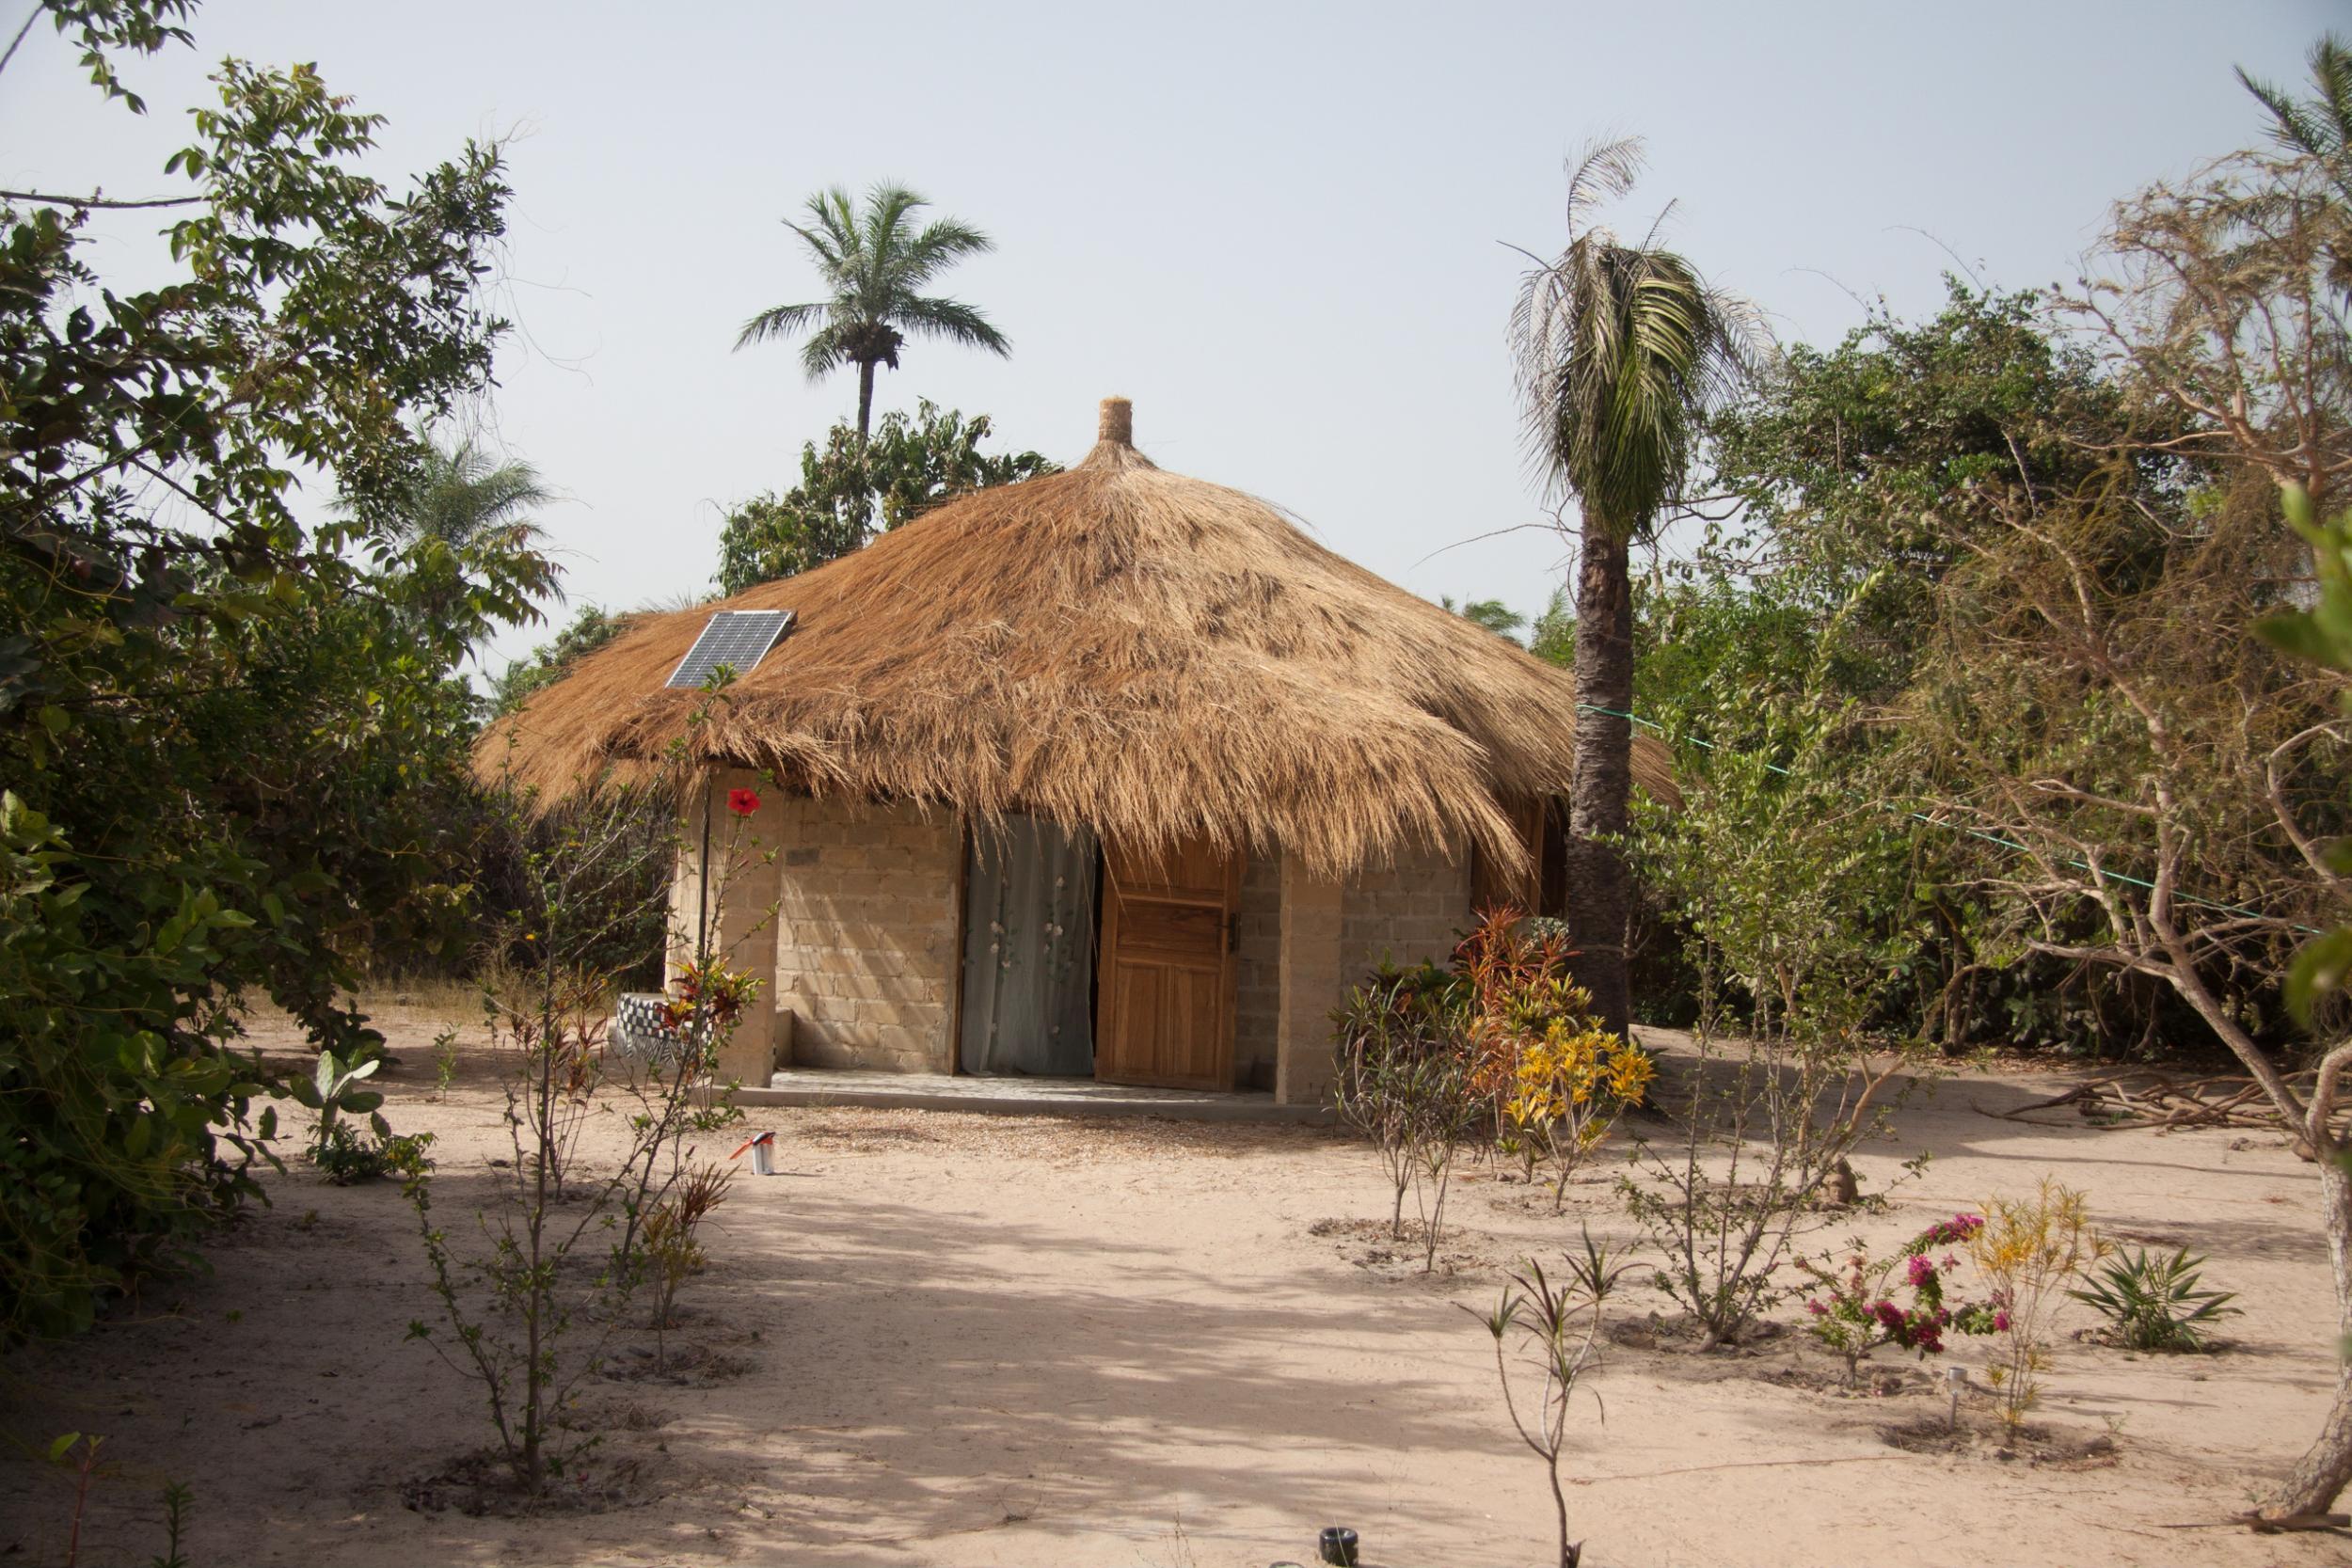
855	487
590	628
232	738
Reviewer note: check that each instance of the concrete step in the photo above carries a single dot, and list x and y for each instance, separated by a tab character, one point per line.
1019	1096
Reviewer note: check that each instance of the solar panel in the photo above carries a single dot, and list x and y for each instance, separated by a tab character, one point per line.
738	638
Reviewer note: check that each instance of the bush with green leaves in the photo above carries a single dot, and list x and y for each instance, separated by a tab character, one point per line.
570	1239
1406	1080
234	739
861	485
2154	1303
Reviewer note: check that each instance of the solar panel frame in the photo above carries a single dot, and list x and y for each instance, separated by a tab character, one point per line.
739	639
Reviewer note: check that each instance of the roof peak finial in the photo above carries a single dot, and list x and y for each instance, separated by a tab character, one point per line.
1117	422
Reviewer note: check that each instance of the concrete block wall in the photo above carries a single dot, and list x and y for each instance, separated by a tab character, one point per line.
1311	921
865	955
1257	973
1415	907
741	892
863	941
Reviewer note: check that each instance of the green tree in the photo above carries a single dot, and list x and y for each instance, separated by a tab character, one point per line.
874	267
234	745
1553	636
590	628
1621	351
1861	471
909	466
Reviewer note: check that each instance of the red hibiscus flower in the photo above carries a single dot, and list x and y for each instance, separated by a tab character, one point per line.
743	801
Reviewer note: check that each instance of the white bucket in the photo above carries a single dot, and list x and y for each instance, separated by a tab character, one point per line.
764	1155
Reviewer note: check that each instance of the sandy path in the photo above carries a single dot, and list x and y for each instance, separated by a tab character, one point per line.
977	1340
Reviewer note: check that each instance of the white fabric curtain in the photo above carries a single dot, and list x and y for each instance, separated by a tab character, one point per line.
1028	951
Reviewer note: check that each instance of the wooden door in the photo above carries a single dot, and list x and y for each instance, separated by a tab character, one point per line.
1164	1006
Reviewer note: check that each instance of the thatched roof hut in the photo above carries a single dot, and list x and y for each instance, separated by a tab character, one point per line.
1116	648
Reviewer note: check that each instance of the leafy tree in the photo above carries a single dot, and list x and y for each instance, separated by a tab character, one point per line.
1622	350
233	743
1864	475
875	265
2097	700
909	466
591	627
1858	471
1551	637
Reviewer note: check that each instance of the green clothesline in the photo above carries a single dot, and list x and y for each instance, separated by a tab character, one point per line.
1972	832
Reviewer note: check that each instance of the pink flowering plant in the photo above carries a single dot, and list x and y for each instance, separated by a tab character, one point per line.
1853	1307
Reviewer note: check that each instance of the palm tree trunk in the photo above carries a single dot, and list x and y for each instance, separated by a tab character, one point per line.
865	399
1600	886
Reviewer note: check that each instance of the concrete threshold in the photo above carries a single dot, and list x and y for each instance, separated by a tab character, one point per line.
1019	1096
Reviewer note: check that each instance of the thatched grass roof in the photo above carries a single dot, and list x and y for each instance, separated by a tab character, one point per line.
1114	647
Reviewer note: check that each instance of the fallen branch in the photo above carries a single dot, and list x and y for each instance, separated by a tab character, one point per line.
2166	1104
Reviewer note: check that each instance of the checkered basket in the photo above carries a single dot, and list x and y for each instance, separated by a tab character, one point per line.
641	1028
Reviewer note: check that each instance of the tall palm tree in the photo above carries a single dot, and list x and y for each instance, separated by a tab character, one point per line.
876	266
1620	350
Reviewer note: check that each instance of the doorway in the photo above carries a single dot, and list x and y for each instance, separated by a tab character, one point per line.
1170	935
1029	950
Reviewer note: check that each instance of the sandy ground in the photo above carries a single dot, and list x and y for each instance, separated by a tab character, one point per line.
953	1338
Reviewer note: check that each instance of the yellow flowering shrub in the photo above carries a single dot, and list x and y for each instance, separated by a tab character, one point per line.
2027	1250
1569	1081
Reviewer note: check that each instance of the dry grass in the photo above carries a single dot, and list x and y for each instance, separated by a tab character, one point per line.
1115	647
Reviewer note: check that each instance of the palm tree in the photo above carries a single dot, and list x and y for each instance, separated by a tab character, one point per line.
1493	614
2319	127
465	500
461	495
876	267
1620	350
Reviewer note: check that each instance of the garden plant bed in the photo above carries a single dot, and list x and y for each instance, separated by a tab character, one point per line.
973	1339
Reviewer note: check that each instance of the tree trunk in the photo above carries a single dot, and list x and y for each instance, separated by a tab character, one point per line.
2323	1472
865	399
1599	883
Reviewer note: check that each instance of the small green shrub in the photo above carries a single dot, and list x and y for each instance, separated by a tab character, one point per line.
347	1157
2153	1303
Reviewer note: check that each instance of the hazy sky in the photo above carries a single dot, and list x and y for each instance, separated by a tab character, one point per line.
1276	228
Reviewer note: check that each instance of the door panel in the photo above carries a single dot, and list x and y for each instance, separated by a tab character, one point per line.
1166	984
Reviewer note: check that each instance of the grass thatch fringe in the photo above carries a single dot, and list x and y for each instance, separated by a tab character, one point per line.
1118	648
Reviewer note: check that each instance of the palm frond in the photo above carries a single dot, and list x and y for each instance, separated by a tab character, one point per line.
953	320
1619	352
1604	170
2321	126
462	494
827	349
941	245
887	208
779	321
